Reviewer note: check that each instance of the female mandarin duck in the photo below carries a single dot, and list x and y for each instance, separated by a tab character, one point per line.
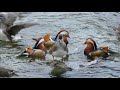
35	53
91	51
60	48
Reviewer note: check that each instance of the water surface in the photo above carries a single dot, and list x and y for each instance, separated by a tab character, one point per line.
81	25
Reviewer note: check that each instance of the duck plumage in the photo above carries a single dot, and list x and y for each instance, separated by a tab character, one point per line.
60	48
35	53
91	51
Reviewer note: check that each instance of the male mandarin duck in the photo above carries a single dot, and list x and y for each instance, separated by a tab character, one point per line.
35	53
60	48
54	39
91	51
44	43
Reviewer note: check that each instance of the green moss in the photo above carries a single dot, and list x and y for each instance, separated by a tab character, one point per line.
57	71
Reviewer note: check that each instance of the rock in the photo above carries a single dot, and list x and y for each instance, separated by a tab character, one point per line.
57	72
6	72
59	68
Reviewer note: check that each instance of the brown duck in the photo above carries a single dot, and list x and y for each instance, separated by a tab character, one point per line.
35	53
91	51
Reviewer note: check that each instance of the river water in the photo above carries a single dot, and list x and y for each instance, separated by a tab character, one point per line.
81	25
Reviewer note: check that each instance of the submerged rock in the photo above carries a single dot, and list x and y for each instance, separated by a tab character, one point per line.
6	72
59	68
58	71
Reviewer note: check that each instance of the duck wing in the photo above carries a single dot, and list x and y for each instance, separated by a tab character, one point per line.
53	48
14	29
8	18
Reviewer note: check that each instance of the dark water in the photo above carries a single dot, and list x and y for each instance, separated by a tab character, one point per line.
81	25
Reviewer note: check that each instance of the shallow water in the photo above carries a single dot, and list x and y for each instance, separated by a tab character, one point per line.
81	25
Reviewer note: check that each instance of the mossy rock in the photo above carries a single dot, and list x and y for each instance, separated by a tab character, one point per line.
57	71
6	72
59	68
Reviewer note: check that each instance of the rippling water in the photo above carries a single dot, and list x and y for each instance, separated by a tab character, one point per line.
81	25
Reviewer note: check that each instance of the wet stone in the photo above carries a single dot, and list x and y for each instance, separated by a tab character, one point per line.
6	72
59	68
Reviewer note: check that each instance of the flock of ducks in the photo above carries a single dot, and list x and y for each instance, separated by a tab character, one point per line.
56	46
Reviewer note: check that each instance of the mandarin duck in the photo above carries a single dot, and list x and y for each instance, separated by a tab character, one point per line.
35	53
91	51
60	48
42	44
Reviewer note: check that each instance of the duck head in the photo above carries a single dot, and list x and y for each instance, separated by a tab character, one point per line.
91	46
29	50
64	33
